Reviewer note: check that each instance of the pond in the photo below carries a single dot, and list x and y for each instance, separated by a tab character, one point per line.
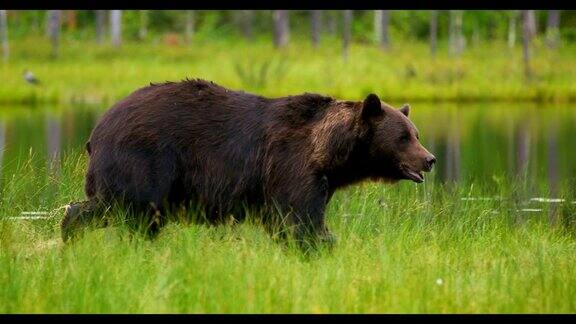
474	142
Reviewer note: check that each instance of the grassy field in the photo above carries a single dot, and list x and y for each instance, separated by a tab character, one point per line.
402	249
87	72
405	248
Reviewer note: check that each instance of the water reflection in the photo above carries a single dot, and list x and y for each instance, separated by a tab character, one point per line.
53	143
474	143
529	144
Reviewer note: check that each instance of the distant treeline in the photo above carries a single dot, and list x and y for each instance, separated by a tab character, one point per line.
476	25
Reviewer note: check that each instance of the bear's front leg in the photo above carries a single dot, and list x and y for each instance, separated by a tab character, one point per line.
307	213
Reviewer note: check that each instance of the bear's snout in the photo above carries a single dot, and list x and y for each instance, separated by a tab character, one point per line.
429	162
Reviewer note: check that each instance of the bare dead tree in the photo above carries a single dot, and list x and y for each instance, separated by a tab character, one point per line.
189	26
281	28
246	22
527	37
4	35
512	28
377	26
100	21
316	26
456	36
332	22
347	31
116	27
143	29
552	28
384	22
433	32
53	24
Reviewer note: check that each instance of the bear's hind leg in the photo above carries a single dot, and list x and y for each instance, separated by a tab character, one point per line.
80	215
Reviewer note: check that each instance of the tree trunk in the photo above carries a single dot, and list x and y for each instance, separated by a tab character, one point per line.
512	28
54	21
552	28
527	36
377	26
71	20
332	22
532	24
433	32
281	28
4	35
143	30
456	36
347	31
247	20
189	26
116	27
100	21
316	26
384	22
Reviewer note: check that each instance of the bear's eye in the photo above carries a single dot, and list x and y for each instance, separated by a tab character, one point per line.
405	138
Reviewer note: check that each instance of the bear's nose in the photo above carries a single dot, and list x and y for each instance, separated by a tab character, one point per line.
430	160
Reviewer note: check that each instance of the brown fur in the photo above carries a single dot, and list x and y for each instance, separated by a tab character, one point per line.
194	142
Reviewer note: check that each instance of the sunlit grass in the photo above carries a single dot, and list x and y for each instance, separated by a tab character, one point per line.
86	72
405	248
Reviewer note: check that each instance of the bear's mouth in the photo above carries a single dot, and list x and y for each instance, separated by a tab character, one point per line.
416	176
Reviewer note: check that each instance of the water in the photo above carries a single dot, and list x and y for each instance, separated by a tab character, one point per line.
474	143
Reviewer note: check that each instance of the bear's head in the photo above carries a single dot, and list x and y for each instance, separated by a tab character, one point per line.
392	142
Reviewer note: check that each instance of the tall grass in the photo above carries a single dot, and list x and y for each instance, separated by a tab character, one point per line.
86	72
402	249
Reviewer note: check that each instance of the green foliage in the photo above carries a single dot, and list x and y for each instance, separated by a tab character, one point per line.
402	249
89	72
412	24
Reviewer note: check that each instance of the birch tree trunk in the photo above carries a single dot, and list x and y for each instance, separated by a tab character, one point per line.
189	26
281	28
316	26
552	28
512	28
116	27
377	26
433	32
527	36
384	22
456	36
4	35
143	30
100	21
54	22
332	22
246	21
346	34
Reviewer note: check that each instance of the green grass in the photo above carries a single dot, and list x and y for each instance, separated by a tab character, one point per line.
405	248
86	72
402	249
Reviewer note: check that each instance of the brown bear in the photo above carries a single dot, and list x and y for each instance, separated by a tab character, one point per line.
197	143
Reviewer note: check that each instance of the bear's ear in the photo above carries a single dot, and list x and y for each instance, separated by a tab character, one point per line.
371	106
405	109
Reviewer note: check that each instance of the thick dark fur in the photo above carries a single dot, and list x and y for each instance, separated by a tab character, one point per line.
197	143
